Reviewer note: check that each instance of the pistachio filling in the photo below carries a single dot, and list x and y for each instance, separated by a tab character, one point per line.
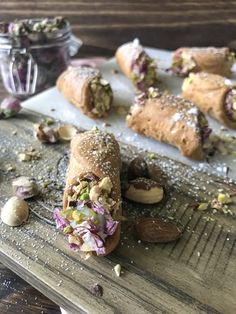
87	220
230	105
144	72
205	131
101	96
187	81
182	63
231	57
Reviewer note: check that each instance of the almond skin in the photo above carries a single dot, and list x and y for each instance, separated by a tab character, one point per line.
155	230
157	174
144	191
137	168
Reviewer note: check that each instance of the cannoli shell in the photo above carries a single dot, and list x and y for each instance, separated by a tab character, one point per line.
210	59
74	86
208	92
124	58
166	119
97	153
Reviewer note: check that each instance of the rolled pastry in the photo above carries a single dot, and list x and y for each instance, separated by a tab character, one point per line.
209	59
170	119
85	88
212	94
136	64
92	200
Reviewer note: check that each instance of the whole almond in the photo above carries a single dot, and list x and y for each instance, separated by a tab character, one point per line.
144	191
137	168
156	230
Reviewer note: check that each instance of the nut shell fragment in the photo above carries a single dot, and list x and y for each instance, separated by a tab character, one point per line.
15	212
144	191
155	230
66	132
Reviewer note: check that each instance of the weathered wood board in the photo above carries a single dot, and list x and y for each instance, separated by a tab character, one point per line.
193	275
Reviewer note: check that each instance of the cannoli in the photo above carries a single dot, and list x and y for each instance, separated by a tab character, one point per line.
136	64
170	119
85	88
209	59
212	94
92	200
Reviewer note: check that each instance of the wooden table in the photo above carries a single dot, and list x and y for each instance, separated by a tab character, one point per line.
102	26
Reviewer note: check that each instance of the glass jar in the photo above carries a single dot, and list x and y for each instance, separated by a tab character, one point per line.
33	53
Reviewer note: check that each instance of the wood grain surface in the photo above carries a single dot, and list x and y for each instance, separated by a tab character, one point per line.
193	275
103	25
161	24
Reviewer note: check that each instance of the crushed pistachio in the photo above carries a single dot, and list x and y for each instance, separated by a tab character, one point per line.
202	206
29	155
152	156
84	197
224	198
122	110
67	229
153	92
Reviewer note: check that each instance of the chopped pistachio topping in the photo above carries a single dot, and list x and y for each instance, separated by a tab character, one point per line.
224	198
202	206
231	56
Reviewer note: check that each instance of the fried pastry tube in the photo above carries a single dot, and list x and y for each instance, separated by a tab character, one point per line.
212	94
208	59
92	199
170	119
136	64
85	88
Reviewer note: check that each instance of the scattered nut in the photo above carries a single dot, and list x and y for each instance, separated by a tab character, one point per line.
145	191
224	198
25	187
117	270
29	155
96	290
202	206
156	230
67	132
137	168
15	212
24	157
45	133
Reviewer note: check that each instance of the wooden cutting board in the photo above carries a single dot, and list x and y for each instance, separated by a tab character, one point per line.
196	274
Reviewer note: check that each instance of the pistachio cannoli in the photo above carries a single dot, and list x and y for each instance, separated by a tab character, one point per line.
92	200
85	88
136	64
170	119
212	94
208	59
